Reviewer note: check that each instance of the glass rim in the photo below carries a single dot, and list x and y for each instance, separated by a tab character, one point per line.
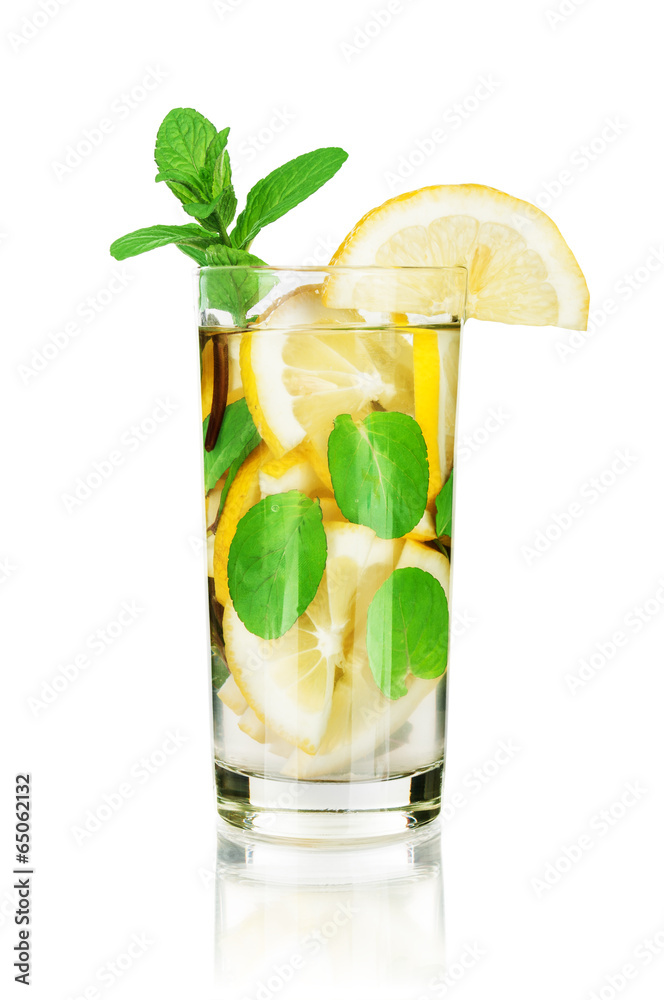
337	268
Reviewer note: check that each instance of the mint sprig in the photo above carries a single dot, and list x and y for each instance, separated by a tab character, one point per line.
193	161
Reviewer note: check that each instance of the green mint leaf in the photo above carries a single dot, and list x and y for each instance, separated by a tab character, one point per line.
221	174
213	153
152	237
194	253
407	630
227	206
233	291
201	210
276	562
230	256
175	178
188	197
380	471
182	142
444	508
220	671
285	188
222	188
237	435
182	191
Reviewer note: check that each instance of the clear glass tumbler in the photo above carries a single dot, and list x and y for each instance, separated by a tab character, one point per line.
329	403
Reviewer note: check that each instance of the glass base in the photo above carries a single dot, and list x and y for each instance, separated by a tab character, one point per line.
328	811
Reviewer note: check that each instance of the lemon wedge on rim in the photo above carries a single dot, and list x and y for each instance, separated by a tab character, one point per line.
519	267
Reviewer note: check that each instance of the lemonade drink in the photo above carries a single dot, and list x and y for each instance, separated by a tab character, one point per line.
352	420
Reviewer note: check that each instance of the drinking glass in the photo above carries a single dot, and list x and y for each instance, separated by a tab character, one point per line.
328	405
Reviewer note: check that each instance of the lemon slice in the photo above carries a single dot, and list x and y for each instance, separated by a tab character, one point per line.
430	560
212	501
520	270
297	384
297	471
230	694
436	373
244	492
330	510
235	390
251	725
289	682
293	471
362	718
425	529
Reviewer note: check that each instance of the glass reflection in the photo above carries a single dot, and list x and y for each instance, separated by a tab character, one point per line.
329	922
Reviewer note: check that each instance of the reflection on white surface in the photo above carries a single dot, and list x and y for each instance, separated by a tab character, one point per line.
328	923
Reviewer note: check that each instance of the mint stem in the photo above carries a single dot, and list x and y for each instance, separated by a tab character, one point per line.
225	238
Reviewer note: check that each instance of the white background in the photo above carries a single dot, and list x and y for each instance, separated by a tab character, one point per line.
561	74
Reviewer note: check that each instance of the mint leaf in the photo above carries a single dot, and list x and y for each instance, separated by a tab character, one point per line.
181	191
222	256
220	671
160	236
238	435
380	471
222	188
188	197
197	255
174	177
201	210
182	142
407	630
285	188
444	508
212	158
276	562
233	290
221	174
227	206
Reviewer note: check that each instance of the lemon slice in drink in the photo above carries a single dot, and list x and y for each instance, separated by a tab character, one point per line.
230	694
290	682
294	471
436	371
520	269
244	492
297	384
362	718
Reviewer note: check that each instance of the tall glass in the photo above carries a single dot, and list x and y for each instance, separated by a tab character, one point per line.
329	402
